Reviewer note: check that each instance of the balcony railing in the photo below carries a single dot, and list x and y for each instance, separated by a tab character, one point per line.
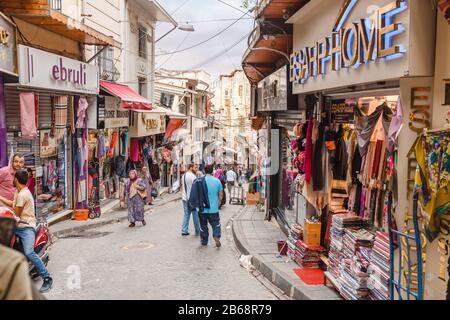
55	5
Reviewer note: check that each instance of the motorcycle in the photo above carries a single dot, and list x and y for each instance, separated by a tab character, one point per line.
8	225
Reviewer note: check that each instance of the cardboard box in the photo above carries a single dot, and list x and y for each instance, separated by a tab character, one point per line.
311	233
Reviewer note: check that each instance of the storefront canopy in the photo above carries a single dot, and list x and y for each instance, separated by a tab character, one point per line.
130	98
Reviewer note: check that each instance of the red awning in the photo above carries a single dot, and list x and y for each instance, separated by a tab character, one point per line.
130	98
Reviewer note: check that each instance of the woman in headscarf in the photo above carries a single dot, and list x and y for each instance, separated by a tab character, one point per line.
147	178
135	188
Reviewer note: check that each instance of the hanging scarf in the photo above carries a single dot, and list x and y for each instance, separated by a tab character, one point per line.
60	110
309	151
365	124
81	113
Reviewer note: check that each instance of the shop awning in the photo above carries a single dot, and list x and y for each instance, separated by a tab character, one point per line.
46	14
130	99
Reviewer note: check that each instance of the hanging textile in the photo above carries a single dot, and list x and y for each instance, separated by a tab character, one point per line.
28	115
432	180
317	165
60	111
309	151
395	126
365	124
81	112
112	145
134	149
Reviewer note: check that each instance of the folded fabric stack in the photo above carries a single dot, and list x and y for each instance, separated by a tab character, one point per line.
295	234
354	239
354	267
307	256
380	267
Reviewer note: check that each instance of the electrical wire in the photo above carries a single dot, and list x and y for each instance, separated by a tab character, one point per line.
219	53
204	41
170	57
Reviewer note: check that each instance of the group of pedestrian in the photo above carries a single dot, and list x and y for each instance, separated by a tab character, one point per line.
15	193
202	198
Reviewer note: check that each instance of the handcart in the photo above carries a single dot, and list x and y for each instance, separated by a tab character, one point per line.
237	195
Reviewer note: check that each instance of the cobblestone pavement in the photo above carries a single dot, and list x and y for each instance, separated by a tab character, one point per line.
152	262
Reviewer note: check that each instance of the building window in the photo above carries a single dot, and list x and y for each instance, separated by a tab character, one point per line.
142	42
106	67
142	86
226	93
240	91
56	5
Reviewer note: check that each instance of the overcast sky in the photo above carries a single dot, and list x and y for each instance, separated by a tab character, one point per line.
195	11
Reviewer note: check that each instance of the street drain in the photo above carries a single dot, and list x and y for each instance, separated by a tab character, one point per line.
85	235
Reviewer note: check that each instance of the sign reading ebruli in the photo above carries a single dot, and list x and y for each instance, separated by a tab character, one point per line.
42	69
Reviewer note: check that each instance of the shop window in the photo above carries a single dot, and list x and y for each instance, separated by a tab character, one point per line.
142	86
142	41
166	99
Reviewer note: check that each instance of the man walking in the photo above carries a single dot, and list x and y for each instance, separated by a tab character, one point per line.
231	179
23	206
186	184
7	177
211	214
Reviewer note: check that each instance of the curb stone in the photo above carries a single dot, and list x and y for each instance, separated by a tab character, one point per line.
275	276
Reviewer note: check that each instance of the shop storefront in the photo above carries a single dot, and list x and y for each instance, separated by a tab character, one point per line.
45	115
8	69
366	89
107	147
147	130
275	98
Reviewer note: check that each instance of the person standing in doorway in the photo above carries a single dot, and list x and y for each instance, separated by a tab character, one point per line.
135	190
23	207
231	179
186	184
211	215
7	188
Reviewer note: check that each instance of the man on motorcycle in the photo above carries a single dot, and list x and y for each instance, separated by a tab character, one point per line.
7	178
23	206
15	282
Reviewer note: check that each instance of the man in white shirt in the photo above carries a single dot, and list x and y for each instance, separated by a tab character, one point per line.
186	184
231	179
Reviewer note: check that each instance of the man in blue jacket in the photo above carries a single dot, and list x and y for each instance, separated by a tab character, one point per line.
211	214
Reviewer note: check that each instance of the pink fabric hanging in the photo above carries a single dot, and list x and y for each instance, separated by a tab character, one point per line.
81	112
134	150
28	115
309	151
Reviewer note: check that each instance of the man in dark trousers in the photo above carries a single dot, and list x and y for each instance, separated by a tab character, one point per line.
211	214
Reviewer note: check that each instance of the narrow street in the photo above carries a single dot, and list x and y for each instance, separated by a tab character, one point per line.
151	262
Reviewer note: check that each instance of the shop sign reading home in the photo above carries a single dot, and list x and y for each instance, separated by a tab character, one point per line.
350	46
41	69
